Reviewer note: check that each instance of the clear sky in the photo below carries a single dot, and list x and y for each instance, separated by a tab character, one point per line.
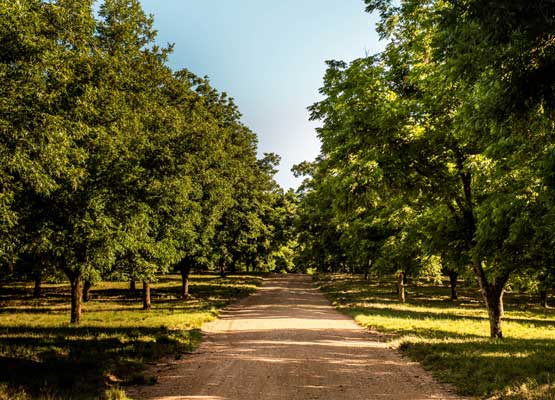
269	55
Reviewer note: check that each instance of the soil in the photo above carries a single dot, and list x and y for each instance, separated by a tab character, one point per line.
288	342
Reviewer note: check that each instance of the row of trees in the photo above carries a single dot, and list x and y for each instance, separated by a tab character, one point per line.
113	165
438	153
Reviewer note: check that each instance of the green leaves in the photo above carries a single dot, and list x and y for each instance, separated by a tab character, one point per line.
111	163
442	142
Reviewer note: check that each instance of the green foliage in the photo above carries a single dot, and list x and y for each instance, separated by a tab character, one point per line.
437	148
114	165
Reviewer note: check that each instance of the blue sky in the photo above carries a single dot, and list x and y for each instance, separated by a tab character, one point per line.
269	56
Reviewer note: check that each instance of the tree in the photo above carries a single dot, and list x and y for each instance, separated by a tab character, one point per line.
148	174
114	165
437	131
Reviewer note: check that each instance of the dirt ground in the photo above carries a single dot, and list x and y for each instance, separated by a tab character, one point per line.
288	342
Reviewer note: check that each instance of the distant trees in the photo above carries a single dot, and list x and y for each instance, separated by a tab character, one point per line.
114	165
438	147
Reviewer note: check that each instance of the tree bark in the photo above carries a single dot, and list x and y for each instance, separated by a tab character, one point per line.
37	291
222	271
543	298
132	285
367	269
75	280
453	280
543	289
493	297
401	286
185	272
87	291
495	313
147	305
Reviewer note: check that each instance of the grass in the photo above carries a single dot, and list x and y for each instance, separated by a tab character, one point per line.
450	339
43	357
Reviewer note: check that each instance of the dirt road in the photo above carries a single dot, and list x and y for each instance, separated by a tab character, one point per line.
287	342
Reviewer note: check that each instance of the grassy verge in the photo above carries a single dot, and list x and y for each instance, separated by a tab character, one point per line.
43	357
450	339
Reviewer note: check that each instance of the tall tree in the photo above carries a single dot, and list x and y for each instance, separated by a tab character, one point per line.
438	133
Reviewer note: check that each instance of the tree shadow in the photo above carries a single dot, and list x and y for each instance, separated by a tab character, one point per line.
483	367
82	362
442	315
476	364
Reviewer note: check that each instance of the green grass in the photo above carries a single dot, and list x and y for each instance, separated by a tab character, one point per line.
451	340
43	357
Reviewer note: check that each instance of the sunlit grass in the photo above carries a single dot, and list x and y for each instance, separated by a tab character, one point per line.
42	356
451	339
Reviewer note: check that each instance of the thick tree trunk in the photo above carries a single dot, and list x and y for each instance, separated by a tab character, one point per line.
37	291
543	298
495	313
401	277
75	280
87	291
132	285
147	305
185	272
453	279
493	297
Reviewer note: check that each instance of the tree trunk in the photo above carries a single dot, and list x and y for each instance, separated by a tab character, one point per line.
495	313
453	277
222	271
133	285
367	269
146	295
543	289
87	291
75	280
185	272
37	291
543	298
401	286
493	296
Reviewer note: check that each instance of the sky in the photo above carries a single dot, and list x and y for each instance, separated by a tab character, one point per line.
270	57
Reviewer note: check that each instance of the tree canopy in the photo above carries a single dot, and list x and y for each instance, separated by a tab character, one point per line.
440	147
114	165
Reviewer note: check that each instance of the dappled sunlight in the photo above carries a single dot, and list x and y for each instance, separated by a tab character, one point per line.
346	342
192	398
115	337
452	337
288	338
